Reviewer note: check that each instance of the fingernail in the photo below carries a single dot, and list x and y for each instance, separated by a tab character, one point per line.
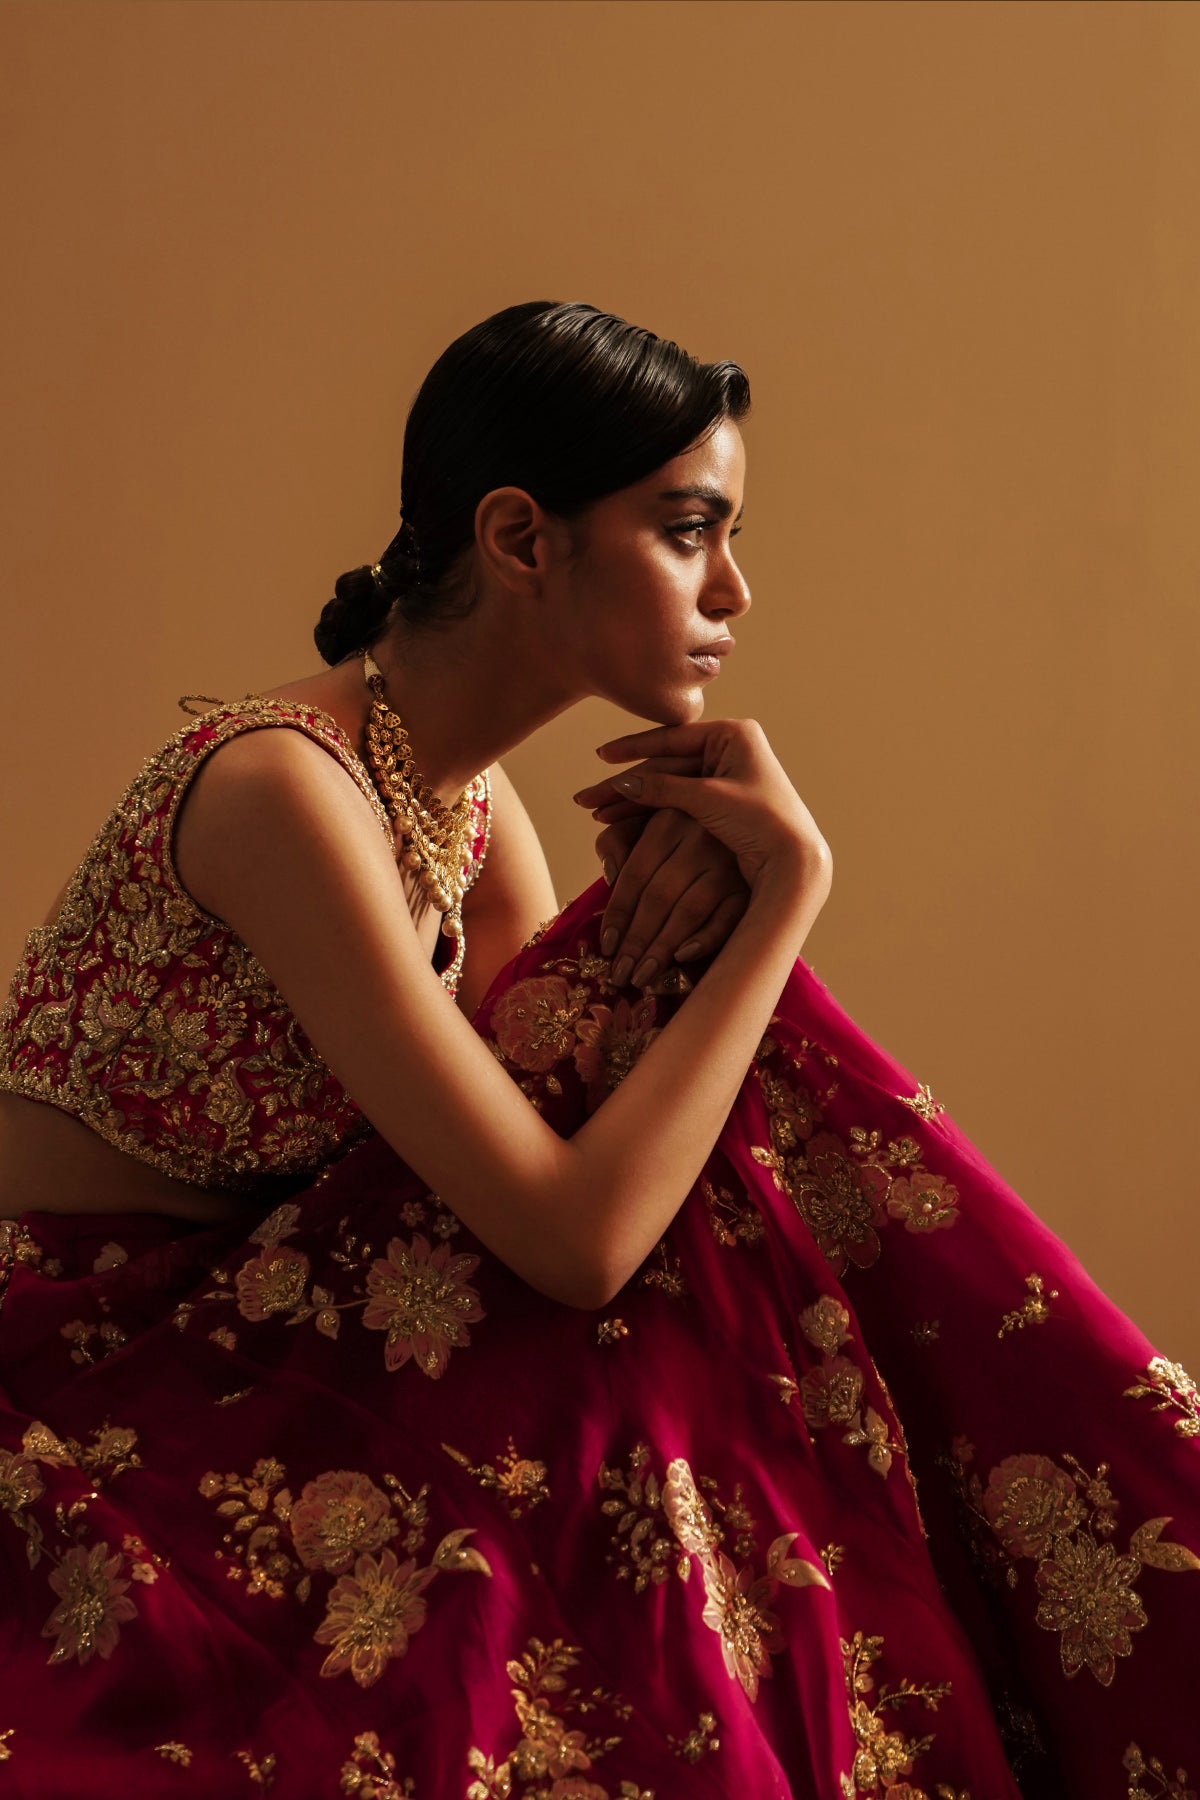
621	971
691	948
609	940
628	784
645	971
610	875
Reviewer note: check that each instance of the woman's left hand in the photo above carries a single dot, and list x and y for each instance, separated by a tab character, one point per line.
676	891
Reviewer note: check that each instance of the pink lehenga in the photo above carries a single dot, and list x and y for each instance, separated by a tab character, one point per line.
859	1487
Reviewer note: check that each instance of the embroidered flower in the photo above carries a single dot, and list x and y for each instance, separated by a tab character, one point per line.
92	1606
840	1201
924	1202
734	1608
826	1324
371	1615
882	1754
1028	1501
831	1394
546	1746
338	1516
421	1298
271	1282
610	1040
534	1021
20	1483
1089	1598
574	1787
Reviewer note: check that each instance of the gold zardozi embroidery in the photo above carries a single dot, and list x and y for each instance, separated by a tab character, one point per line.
150	1021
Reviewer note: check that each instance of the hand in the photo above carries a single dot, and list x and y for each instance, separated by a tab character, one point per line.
677	892
724	774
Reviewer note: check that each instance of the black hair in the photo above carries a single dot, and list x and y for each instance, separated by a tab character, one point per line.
563	400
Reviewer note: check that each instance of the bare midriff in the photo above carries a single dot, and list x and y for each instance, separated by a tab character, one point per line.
49	1162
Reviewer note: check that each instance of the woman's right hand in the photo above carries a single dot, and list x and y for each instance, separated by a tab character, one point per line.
724	774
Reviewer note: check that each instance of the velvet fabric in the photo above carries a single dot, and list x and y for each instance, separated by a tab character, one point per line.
858	1487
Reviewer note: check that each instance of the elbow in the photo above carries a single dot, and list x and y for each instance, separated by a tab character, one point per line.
587	1284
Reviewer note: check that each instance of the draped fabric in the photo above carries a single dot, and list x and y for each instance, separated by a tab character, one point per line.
858	1487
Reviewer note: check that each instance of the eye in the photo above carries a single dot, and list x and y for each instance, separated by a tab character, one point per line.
690	525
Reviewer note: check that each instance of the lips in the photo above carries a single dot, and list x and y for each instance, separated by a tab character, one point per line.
719	647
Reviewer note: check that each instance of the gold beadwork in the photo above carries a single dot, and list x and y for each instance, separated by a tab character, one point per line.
437	838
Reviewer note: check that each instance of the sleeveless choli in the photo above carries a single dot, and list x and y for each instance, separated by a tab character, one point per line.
859	1487
148	1019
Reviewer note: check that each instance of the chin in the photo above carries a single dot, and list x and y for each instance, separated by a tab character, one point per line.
673	709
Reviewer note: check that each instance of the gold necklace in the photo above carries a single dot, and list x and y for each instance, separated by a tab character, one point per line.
438	838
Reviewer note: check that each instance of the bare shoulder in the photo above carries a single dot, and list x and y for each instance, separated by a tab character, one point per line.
260	794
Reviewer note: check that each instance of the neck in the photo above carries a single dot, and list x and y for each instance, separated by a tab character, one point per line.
467	693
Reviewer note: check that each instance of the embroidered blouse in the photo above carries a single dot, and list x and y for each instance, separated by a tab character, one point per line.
149	1020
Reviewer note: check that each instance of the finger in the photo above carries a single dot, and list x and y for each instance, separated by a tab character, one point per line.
665	918
658	740
667	765
644	864
621	810
708	938
613	845
688	922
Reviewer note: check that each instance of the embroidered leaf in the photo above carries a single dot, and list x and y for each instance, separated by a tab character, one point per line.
1146	1546
454	1555
792	1570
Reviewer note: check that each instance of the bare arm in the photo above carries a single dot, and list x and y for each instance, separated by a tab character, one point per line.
274	838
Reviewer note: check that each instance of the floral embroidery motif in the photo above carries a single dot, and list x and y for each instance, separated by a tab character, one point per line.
698	1742
1059	1517
417	1293
550	1747
90	1581
338	1516
611	1331
371	1615
1171	1387
737	1602
19	1246
610	1041
174	1753
832	1393
730	1222
1034	1310
340	1519
371	1772
421	1298
534	1021
925	1202
1144	1770
845	1195
93	1604
923	1103
883	1755
519	1480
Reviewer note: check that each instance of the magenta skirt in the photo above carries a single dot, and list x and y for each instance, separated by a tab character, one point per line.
859	1486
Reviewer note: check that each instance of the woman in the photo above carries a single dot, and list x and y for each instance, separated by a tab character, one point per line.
638	1293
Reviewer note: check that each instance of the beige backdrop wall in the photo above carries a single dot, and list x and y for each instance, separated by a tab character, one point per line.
955	247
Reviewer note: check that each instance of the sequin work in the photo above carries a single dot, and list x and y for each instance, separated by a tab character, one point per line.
148	1020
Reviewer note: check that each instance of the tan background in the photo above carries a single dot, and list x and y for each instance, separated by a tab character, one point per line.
955	247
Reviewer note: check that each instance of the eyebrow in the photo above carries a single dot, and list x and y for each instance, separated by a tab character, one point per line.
703	491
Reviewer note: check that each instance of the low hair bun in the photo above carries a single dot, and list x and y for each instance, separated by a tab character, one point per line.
354	616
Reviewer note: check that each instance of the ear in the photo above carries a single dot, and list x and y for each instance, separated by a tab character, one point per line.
516	539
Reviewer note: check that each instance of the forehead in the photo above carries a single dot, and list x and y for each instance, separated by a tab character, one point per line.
718	462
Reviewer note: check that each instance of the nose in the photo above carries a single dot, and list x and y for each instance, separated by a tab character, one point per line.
729	591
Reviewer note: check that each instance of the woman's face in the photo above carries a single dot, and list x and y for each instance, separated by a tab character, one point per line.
657	583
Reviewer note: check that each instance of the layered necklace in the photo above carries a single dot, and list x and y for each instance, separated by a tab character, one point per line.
436	838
